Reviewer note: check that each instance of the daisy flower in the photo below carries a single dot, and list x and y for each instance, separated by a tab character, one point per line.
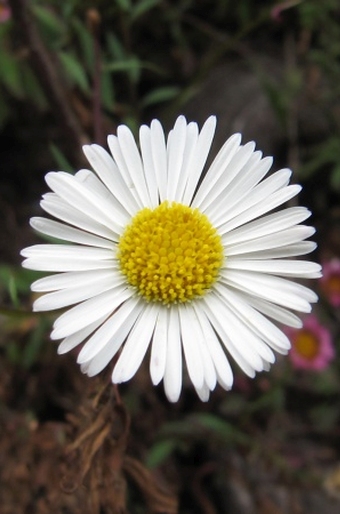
312	346
160	255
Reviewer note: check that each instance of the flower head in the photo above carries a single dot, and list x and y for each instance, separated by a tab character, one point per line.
330	281
312	346
163	256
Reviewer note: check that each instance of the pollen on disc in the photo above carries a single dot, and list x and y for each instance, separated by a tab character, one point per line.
170	254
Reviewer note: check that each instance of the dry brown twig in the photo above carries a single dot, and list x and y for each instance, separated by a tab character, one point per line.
96	457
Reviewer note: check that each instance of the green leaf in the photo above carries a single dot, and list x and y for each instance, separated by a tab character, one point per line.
159	95
203	425
10	74
273	399
85	40
132	66
335	177
107	92
128	64
74	71
115	48
21	277
60	159
142	7
32	87
13	291
225	430
160	452
51	26
125	5
32	348
68	8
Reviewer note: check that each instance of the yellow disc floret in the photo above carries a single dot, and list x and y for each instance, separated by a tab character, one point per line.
171	253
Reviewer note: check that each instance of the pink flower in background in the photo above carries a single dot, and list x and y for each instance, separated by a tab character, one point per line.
330	282
5	11
312	346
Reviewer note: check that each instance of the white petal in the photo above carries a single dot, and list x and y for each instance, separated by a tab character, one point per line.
66	265
200	347
219	319
159	155
94	184
103	357
109	173
71	279
75	339
124	171
49	251
175	150
294	268
72	295
203	147
237	165
217	168
133	164
274	311
148	164
67	233
159	346
269	224
107	334
220	360
89	311
248	177
57	257
275	240
269	332
292	250
173	368
274	289
189	160
87	201
242	332
266	196
203	393
136	345
59	208
192	354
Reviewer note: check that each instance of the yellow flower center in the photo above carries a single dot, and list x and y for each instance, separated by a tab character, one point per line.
171	253
306	344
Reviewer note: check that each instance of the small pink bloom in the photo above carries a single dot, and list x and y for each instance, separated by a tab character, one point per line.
5	11
312	346
330	281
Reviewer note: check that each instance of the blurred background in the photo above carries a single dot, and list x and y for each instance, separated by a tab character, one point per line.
70	72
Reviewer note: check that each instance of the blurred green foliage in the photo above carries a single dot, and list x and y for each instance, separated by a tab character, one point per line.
23	333
152	54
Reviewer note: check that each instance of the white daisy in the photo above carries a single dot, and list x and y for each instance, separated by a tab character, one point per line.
160	255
